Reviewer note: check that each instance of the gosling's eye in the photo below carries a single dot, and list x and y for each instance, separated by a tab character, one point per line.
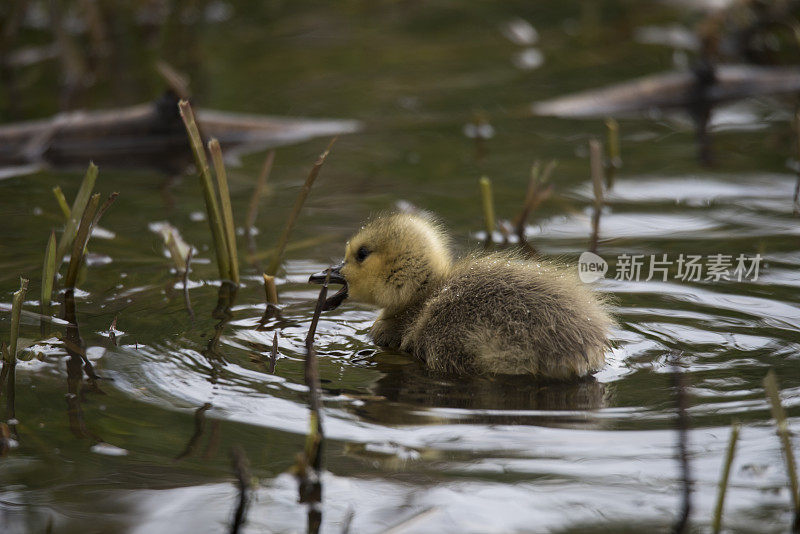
361	254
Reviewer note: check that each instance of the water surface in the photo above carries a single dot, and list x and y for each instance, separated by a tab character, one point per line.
462	454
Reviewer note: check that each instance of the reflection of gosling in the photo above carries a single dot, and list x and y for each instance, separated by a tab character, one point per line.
492	314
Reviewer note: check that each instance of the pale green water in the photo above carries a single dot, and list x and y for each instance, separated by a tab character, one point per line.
483	455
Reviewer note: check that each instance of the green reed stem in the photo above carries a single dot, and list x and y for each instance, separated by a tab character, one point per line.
596	165
726	471
270	289
62	201
80	241
275	264
16	311
227	209
488	205
613	145
773	394
258	191
204	173
536	193
48	274
76	213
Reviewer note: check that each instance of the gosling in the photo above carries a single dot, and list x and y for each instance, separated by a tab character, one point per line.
489	314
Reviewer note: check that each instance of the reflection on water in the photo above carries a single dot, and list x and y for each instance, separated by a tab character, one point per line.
477	400
77	365
406	447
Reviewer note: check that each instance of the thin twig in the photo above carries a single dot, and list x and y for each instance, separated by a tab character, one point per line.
186	298
179	83
241	468
252	209
723	482
596	165
272	269
199	429
773	394
682	403
614	158
310	487
258	190
273	355
488	206
311	368
536	193
107	204
112	331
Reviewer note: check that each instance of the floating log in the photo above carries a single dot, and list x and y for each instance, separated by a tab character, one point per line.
149	135
674	90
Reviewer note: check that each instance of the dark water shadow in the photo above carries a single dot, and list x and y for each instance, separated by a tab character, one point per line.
77	365
482	399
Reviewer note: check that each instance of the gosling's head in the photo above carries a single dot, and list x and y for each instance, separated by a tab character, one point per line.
392	262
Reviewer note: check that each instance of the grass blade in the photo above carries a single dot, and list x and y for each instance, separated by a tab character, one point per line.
76	213
62	201
79	243
723	482
48	274
227	210
204	173
16	311
612	144
773	394
258	191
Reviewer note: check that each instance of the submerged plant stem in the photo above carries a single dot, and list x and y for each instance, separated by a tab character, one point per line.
726	471
204	173
773	395
227	209
241	468
273	354
682	401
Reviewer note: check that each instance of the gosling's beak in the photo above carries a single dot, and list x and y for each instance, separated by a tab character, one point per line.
336	277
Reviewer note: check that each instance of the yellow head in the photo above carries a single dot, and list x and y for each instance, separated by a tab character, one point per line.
394	260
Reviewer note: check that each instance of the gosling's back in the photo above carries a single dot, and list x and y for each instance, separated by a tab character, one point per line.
500	315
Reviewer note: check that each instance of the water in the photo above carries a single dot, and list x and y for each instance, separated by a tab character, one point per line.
454	454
